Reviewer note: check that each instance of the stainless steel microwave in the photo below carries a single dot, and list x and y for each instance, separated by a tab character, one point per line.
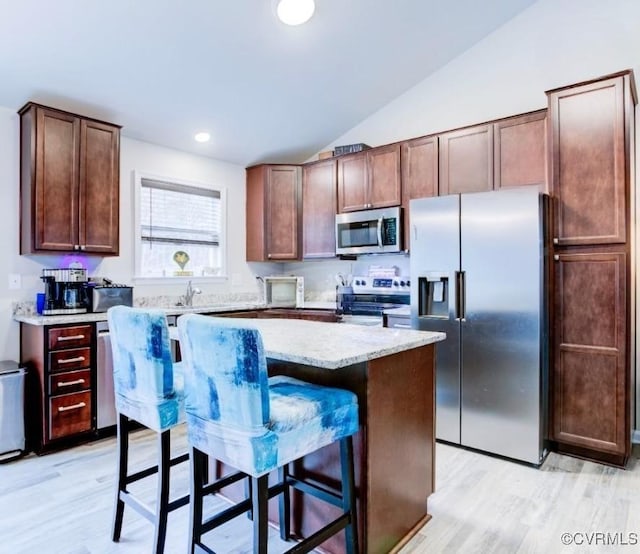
369	232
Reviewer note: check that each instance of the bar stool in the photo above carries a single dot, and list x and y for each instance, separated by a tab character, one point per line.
149	389
256	424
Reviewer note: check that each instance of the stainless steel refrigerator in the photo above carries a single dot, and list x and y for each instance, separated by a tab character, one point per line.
478	273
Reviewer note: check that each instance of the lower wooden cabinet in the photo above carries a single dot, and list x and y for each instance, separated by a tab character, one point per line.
590	378
69	414
61	396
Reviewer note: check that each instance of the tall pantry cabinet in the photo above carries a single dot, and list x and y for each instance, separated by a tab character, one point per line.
591	134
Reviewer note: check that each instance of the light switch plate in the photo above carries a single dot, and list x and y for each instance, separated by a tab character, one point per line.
15	281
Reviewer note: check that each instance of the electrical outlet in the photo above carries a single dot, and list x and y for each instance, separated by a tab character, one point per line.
15	281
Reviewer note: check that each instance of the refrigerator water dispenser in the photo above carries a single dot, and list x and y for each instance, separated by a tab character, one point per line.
433	295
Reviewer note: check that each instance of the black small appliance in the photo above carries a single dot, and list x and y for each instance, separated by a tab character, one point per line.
65	291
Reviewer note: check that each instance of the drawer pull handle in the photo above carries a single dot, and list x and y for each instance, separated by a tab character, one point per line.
71	360
70	383
72	407
71	337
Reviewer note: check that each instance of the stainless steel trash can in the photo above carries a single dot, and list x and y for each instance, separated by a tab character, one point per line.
12	436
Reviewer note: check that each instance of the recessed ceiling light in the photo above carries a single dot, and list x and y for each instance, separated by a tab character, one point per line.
295	12
202	137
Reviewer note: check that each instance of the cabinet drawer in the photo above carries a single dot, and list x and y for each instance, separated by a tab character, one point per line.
74	358
69	414
70	337
70	381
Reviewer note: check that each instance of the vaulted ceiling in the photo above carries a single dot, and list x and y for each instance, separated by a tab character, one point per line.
166	69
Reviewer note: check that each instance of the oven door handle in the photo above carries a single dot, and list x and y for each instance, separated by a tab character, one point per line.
380	220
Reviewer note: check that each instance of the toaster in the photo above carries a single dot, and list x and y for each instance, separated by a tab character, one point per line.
103	297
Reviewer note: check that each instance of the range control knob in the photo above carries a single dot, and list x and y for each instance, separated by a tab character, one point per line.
395	283
402	283
408	283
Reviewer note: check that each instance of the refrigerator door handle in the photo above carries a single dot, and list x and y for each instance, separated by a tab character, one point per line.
461	293
380	232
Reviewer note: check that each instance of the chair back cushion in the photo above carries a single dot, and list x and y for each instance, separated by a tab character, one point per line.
225	372
148	386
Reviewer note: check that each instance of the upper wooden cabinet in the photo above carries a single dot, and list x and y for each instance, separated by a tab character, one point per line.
508	152
590	160
69	182
319	205
369	179
419	162
273	212
520	151
466	160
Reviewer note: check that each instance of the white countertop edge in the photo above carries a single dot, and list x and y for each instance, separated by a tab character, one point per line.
173	310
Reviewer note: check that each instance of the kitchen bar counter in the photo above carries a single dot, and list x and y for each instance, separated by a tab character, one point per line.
35	319
392	372
323	345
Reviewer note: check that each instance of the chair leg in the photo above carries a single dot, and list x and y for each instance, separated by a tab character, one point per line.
198	465
162	502
349	494
121	485
260	486
284	504
248	494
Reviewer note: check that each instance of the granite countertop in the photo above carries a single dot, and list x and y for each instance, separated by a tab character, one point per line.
34	319
331	345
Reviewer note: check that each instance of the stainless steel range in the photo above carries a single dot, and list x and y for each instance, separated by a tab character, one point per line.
364	301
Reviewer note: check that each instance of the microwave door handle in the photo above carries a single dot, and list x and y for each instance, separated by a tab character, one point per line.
380	231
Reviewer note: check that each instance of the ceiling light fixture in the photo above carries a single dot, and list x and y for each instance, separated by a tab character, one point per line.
295	12
202	137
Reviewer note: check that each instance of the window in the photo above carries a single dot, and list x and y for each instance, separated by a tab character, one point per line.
179	229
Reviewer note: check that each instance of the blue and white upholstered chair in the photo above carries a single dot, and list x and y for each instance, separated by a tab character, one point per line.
149	389
256	424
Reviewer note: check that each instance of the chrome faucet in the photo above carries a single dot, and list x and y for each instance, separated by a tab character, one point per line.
187	299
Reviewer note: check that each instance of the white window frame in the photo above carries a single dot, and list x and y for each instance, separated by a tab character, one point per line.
138	176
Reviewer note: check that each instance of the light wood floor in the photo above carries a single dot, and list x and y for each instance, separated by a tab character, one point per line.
62	503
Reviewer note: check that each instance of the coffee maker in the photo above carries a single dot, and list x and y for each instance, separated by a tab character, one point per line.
65	291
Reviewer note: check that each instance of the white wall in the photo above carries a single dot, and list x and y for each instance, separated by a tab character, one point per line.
551	44
134	155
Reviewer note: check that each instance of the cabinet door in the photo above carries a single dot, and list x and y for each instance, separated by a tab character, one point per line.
255	214
383	176
99	188
520	151
283	209
466	160
588	162
352	183
419	163
590	379
55	221
319	205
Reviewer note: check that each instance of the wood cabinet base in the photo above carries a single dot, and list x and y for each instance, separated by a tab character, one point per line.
617	460
394	450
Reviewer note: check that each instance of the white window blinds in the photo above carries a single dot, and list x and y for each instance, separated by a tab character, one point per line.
172	213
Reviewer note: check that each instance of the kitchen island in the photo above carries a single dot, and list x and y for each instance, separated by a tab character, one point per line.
392	373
